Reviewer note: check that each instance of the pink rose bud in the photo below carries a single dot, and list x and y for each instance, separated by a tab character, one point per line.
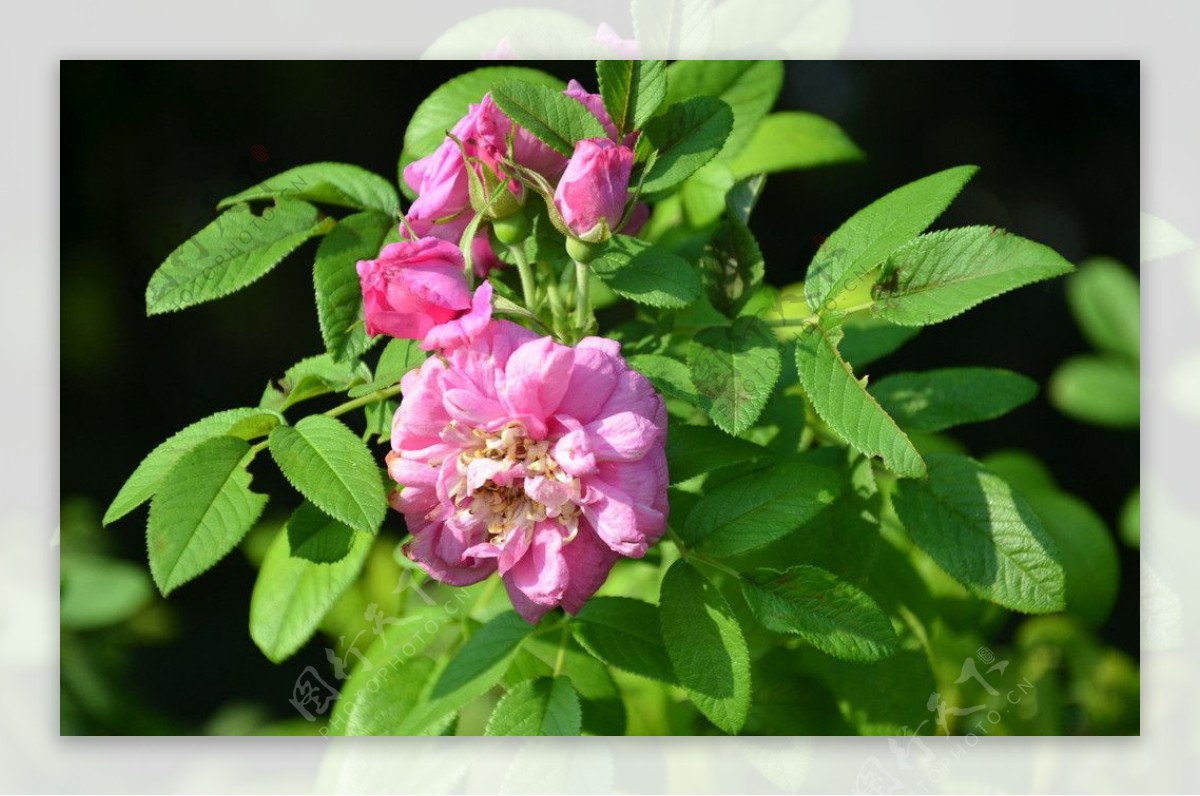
417	290
593	191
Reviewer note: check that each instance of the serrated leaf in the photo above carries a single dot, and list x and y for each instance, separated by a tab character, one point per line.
310	377
749	88
201	511
983	534
1103	390
398	357
1105	299
692	450
331	467
233	251
632	91
673	28
686	135
794	140
646	273
756	509
340	184
293	593
485	655
96	591
735	369
398	705
556	119
668	375
874	232
703	194
732	266
545	706
943	274
827	612
866	339
843	403
449	102
935	400
316	537
335	278
145	480
624	632
705	645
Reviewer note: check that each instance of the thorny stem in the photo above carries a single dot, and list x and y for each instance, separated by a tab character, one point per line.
813	318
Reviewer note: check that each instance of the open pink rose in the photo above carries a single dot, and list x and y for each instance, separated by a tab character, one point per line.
519	455
593	191
417	290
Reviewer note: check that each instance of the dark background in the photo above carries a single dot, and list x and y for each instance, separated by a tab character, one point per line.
149	148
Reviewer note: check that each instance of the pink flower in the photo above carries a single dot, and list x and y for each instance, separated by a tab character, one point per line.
625	48
593	191
519	455
417	290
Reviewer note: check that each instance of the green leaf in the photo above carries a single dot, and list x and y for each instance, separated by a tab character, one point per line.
338	184
673	28
230	253
242	423
756	509
983	534
449	102
331	467
732	266
749	88
318	538
692	450
545	706
1105	299
485	656
703	194
311	377
794	140
669	376
624	632
201	511
1091	567
735	369
888	697
1103	390
556	119
293	593
687	135
398	358
335	277
646	273
874	232
97	591
843	403
935	400
399	703
705	645
632	91
827	612
867	339
943	274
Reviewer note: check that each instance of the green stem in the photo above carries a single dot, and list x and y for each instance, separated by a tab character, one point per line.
528	285
583	302
691	555
364	400
562	651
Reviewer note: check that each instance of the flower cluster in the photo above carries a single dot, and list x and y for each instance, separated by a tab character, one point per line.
515	453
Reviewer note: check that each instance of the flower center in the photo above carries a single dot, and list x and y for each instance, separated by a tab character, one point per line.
509	483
